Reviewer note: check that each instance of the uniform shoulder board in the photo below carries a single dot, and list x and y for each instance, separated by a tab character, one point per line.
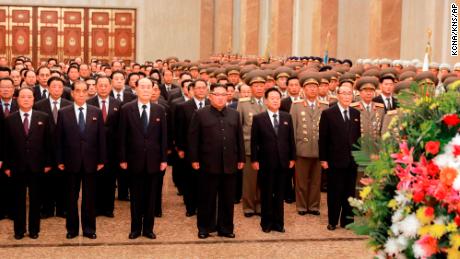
244	99
392	112
355	104
323	102
298	101
379	105
332	97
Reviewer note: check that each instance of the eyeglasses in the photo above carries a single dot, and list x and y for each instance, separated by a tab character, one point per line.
219	95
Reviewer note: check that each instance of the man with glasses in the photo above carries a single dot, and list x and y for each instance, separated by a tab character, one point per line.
339	131
216	151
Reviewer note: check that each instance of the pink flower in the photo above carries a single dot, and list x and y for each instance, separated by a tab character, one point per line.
429	245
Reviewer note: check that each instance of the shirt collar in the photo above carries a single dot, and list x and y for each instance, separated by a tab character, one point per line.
52	100
100	99
270	113
139	104
78	107
21	112
342	108
310	103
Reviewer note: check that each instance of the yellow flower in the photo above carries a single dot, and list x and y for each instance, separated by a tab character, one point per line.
365	192
453	253
438	230
451	227
425	215
424	230
455	240
434	106
392	204
386	135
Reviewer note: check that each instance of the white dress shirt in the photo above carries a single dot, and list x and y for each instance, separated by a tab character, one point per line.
270	114
139	105
21	112
106	103
77	111
342	109
58	103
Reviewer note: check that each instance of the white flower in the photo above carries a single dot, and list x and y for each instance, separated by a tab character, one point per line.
381	255
418	251
402	242
441	220
401	198
397	216
392	247
410	226
396	228
456	184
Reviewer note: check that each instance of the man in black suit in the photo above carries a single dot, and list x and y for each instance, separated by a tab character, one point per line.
183	117
105	181
293	89
143	144
27	136
124	96
216	150
8	105
52	184
168	85
81	146
176	93
387	82
339	131
41	90
177	164
273	154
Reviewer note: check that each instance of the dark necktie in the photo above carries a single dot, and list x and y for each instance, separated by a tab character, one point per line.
312	106
144	119
119	97
104	111
7	109
201	105
81	120
275	123
388	104
55	112
368	108
44	94
26	123
345	115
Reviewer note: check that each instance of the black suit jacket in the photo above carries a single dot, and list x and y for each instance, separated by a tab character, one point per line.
286	104
233	104
143	152
80	151
27	153
269	148
38	94
13	107
164	92
110	125
216	140
183	117
128	96
44	105
337	139
174	93
394	101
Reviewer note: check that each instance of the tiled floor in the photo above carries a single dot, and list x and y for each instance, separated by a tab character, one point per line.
305	237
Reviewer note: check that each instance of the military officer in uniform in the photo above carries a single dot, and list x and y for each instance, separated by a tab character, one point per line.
248	108
305	117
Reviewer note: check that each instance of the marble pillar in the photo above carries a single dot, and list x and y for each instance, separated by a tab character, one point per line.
280	29
223	26
325	20
249	27
206	28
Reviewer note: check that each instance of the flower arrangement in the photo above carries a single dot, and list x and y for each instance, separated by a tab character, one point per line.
410	203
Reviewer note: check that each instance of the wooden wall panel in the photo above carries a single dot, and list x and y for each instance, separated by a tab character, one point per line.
63	33
20	30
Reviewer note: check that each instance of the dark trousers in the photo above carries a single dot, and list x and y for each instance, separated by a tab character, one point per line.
6	196
53	191
122	184
190	189
20	185
340	186
239	185
272	183
177	167
159	197
88	206
105	189
215	189
289	189
144	189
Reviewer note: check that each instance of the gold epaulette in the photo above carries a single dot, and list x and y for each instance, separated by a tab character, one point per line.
379	105
355	104
298	101
323	102
244	99
392	112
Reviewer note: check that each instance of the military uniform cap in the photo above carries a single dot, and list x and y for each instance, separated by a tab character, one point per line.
399	86
246	69
309	78
444	77
229	70
251	62
220	71
407	75
426	76
450	80
372	72
283	72
193	66
457	66
255	76
347	77
444	66
269	75
357	70
409	68
434	65
367	82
